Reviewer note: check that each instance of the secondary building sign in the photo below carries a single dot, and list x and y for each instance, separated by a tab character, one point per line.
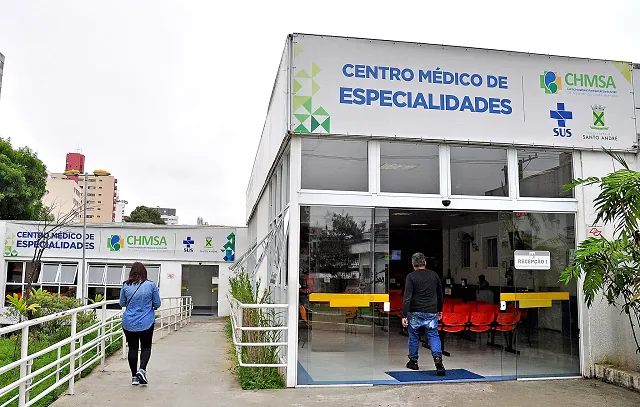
349	86
532	260
207	244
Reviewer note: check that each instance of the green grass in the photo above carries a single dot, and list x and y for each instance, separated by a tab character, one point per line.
253	378
9	353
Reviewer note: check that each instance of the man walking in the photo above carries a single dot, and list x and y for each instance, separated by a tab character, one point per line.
421	308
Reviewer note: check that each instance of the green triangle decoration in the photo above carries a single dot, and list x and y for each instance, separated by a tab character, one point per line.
625	69
314	124
303	74
300	101
301	129
296	86
320	112
302	117
327	125
315	69
314	87
297	50
307	104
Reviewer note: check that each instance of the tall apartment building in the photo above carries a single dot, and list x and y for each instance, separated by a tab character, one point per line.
102	192
168	215
63	197
1	70
120	208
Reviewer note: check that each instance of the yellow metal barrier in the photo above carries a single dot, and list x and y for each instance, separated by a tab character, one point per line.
535	300
348	300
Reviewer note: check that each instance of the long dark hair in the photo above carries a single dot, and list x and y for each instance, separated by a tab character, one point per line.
138	274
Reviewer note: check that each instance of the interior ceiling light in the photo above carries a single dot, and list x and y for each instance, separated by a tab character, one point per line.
419	224
402	213
402	167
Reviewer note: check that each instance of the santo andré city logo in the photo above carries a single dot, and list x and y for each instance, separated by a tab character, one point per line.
117	242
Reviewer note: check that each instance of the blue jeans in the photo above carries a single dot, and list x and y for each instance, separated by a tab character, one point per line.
430	323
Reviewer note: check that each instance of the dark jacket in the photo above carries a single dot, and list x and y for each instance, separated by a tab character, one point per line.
422	292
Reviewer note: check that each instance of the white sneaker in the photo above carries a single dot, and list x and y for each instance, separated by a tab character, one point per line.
135	381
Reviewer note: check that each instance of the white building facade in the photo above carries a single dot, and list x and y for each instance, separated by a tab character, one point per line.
367	143
186	260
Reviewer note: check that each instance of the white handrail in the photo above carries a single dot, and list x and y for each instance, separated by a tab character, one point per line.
237	327
175	314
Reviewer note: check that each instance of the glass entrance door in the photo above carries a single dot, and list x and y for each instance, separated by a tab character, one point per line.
343	327
541	245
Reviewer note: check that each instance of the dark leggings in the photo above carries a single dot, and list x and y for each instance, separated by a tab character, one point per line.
134	339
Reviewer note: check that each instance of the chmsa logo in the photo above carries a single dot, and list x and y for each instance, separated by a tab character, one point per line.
550	82
561	115
598	118
188	243
115	243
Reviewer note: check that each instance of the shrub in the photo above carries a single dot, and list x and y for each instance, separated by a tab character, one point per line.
243	290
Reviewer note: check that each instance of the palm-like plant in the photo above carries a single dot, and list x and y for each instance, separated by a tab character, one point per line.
612	267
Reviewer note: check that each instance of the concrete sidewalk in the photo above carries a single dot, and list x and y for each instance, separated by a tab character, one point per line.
190	368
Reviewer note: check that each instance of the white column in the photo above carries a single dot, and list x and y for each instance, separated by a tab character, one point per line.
293	264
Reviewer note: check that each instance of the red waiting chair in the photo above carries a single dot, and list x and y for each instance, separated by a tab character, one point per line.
464	309
506	323
481	322
489	308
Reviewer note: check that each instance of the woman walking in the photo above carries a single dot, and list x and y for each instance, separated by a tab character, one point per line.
141	298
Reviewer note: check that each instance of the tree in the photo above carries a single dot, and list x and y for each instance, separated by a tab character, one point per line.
48	225
144	214
612	267
23	181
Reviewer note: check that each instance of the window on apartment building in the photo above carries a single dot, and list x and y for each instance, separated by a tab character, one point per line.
491	252
57	278
89	216
91	187
91	194
99	201
92	180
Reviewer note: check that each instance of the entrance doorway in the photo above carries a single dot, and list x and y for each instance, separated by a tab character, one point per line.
201	283
533	330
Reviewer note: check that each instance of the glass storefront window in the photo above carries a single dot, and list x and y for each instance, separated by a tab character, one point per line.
49	273
409	168
338	257
544	173
14	272
479	171
95	274
68	273
340	165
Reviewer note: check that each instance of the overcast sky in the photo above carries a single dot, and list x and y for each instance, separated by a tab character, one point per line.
171	96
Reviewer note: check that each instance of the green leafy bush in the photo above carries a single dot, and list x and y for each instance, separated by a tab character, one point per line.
611	268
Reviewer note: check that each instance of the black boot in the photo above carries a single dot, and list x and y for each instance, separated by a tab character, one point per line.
412	364
439	366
